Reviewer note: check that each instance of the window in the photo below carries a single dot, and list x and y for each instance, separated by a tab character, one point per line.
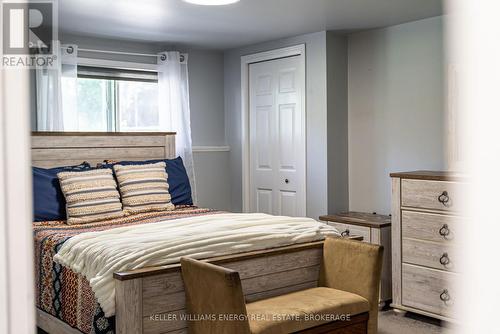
117	100
138	106
95	104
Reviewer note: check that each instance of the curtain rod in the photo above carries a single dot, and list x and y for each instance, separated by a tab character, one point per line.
119	52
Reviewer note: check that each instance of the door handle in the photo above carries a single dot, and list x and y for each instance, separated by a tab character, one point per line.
287	181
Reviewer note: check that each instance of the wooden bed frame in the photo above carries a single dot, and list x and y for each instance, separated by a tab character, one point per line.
52	149
151	300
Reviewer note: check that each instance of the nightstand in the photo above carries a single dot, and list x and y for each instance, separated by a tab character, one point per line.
375	229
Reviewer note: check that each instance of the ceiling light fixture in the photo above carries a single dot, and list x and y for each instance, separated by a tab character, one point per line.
212	2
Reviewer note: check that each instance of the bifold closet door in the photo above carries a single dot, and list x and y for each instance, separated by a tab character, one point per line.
277	138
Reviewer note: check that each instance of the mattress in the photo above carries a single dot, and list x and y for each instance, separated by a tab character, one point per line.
66	295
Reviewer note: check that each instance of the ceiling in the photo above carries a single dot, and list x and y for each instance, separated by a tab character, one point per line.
243	23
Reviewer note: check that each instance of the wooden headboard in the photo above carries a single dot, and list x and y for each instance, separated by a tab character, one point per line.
52	149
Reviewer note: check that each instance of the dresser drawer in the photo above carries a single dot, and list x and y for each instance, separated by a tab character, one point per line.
435	195
347	229
429	290
429	254
430	226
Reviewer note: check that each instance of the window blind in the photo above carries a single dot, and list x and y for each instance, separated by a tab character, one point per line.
116	74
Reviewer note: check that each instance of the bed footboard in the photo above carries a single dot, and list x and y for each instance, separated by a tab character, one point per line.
152	301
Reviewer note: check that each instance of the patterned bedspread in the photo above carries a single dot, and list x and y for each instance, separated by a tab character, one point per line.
67	295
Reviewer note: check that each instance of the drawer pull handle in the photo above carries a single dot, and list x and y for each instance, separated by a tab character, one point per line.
445	296
444	231
444	259
444	198
345	233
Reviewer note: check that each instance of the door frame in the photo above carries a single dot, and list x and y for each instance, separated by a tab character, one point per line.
17	294
295	50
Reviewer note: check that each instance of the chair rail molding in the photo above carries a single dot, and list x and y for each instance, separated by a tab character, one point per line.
200	149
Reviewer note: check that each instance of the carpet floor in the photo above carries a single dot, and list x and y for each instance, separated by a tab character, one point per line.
391	323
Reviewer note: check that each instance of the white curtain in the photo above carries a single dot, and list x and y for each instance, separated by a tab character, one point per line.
175	115
56	92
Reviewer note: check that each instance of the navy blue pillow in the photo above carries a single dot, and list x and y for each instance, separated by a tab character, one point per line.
178	180
48	199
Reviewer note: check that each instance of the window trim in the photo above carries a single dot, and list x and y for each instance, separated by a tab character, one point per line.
111	103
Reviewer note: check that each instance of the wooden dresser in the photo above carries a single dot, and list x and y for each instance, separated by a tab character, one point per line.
375	229
426	218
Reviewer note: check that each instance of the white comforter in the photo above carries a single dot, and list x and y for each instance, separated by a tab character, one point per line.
97	255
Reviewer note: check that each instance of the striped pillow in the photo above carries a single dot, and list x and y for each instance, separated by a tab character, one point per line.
90	196
143	187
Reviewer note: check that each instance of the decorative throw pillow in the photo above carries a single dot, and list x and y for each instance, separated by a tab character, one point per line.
178	180
48	199
143	187
90	196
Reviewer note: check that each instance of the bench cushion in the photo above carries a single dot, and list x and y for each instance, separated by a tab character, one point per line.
287	313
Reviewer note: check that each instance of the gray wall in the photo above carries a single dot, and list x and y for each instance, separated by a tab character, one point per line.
206	84
212	180
337	139
206	81
396	108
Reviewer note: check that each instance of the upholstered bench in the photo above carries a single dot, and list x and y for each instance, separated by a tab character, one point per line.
347	295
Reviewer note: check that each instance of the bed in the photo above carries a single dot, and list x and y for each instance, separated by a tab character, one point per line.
150	299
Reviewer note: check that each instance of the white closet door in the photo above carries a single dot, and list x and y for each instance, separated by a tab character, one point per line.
277	138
